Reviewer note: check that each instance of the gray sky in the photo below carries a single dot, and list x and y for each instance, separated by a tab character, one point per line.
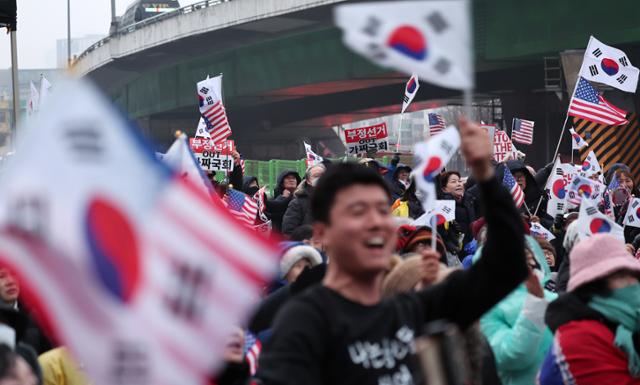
42	22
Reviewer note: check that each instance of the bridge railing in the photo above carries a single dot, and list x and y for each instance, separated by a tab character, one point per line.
152	20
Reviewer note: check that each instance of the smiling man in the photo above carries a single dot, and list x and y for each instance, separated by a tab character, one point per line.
342	332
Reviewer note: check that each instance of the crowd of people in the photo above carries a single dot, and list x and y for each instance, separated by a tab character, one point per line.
358	283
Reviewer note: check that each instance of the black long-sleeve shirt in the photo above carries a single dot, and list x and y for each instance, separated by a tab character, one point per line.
321	337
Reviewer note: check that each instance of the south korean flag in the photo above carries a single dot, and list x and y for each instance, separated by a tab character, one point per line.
610	66
632	218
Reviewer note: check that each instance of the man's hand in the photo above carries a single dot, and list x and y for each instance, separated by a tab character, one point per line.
286	193
236	157
430	266
476	148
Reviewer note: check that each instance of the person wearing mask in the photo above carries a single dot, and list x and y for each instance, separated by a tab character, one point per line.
597	322
515	327
250	185
453	189
298	212
287	183
329	333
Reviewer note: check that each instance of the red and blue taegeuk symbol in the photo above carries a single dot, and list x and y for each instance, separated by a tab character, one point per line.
638	212
411	86
576	137
114	249
440	219
599	225
408	41
432	168
609	66
200	100
585	190
558	188
586	165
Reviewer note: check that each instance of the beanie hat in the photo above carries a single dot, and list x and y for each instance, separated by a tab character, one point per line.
571	236
424	234
404	233
597	257
476	226
405	276
293	252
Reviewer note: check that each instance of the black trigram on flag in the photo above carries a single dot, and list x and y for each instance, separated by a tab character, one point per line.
597	52
621	79
631	218
593	69
559	172
591	210
405	99
623	60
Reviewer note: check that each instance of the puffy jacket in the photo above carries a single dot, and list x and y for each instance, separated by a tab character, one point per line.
518	343
277	206
299	210
583	351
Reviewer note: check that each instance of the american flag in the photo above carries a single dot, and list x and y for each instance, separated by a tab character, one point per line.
217	124
436	124
510	183
522	131
241	206
253	347
588	104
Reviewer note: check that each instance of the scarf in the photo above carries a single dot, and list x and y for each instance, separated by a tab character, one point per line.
623	308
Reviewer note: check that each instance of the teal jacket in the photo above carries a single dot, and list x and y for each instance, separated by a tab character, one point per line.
518	344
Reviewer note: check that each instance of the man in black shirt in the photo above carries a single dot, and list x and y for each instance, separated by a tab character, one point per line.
342	332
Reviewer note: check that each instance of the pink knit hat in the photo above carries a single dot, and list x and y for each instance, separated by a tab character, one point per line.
597	257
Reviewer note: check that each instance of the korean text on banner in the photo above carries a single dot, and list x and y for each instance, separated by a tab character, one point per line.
211	156
367	139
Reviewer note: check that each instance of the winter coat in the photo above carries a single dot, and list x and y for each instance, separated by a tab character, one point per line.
465	214
518	343
277	206
396	187
583	351
299	210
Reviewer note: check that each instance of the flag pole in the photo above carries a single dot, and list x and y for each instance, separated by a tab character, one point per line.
434	232
400	132
15	86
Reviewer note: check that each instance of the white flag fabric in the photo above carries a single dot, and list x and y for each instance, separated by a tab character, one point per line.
558	187
181	159
538	231
212	108
591	221
590	166
132	263
443	210
576	140
45	89
632	217
312	157
410	91
34	100
609	65
431	39
201	131
431	157
582	188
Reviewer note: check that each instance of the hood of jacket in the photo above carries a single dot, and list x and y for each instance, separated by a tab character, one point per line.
278	190
303	190
568	307
246	181
532	191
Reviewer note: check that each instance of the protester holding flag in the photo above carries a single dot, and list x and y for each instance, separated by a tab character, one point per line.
596	322
453	188
299	210
515	327
408	205
312	345
533	193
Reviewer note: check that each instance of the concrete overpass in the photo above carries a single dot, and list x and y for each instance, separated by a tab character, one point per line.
287	74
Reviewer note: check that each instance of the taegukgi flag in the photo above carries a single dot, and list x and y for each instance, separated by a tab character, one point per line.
431	157
431	39
632	217
410	91
609	65
591	221
590	165
444	210
131	261
181	159
558	187
576	140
